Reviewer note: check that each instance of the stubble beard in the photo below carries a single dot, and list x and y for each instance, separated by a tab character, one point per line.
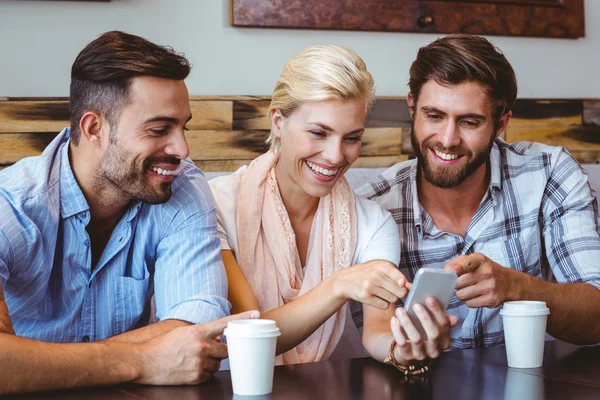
118	168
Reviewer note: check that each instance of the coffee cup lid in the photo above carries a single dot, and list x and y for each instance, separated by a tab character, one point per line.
524	308
252	328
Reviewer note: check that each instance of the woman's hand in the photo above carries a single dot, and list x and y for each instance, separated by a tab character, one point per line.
377	283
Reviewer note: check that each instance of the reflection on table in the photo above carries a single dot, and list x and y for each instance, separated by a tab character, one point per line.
569	372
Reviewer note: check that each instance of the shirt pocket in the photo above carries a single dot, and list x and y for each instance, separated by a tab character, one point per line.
519	252
130	301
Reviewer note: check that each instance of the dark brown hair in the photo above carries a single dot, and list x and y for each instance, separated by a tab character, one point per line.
102	73
460	58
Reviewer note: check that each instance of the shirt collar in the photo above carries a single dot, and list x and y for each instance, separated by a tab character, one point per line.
496	166
72	200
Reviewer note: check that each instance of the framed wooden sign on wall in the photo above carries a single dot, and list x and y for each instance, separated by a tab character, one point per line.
540	18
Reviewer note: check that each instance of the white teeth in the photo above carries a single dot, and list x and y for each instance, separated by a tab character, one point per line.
164	172
446	156
322	171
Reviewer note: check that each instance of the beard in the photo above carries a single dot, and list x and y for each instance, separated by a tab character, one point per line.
119	168
449	177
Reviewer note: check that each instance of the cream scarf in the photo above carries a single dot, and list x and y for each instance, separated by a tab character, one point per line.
268	255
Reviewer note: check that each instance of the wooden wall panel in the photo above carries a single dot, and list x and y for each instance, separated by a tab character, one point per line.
572	137
591	112
33	116
387	112
211	114
382	141
15	146
251	114
218	145
227	132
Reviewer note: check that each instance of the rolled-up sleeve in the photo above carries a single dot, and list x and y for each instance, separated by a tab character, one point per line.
5	257
571	224
190	281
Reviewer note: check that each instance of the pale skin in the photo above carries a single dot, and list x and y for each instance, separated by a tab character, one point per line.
170	352
326	133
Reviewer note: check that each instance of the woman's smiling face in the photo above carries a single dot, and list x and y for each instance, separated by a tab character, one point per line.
319	141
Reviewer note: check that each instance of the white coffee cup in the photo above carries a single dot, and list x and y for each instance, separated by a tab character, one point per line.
524	332
251	345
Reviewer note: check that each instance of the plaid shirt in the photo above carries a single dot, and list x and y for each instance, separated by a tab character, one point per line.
539	216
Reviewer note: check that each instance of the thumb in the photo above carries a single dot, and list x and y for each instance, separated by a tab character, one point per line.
215	328
453	320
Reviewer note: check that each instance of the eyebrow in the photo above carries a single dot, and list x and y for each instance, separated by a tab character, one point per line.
468	115
165	119
330	129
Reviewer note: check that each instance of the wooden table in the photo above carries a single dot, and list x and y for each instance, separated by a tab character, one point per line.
569	372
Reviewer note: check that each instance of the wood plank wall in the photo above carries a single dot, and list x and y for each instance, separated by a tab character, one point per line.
227	132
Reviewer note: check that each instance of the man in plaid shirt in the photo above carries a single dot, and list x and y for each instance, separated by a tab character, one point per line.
515	221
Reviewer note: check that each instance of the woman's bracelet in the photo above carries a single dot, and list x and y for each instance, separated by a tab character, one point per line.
412	369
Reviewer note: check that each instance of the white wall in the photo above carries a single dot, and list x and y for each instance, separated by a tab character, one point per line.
40	39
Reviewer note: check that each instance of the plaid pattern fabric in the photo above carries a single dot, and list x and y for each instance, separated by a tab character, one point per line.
538	216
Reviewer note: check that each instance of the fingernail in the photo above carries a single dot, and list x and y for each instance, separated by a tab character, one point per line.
430	302
254	315
400	312
418	308
395	321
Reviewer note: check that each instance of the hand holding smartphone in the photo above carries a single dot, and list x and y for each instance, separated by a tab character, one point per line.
429	282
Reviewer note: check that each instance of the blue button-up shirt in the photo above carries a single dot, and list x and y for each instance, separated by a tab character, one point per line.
170	250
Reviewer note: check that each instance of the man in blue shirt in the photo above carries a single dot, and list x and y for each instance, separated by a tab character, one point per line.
110	214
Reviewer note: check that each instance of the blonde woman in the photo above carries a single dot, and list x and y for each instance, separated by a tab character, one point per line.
296	242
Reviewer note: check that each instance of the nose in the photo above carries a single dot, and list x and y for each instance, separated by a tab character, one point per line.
450	135
333	152
178	146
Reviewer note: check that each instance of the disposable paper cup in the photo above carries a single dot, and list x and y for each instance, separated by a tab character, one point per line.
251	345
524	332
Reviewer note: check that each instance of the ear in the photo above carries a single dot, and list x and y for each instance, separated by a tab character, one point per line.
277	120
411	101
93	126
503	123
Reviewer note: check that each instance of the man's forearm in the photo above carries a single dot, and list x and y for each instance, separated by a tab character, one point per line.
148	332
29	365
572	307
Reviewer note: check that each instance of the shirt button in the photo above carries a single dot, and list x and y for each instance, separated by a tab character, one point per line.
87	242
85	339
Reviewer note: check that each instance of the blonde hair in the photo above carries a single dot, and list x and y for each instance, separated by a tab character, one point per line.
320	73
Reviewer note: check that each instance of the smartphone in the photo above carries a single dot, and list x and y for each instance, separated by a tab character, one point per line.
429	282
